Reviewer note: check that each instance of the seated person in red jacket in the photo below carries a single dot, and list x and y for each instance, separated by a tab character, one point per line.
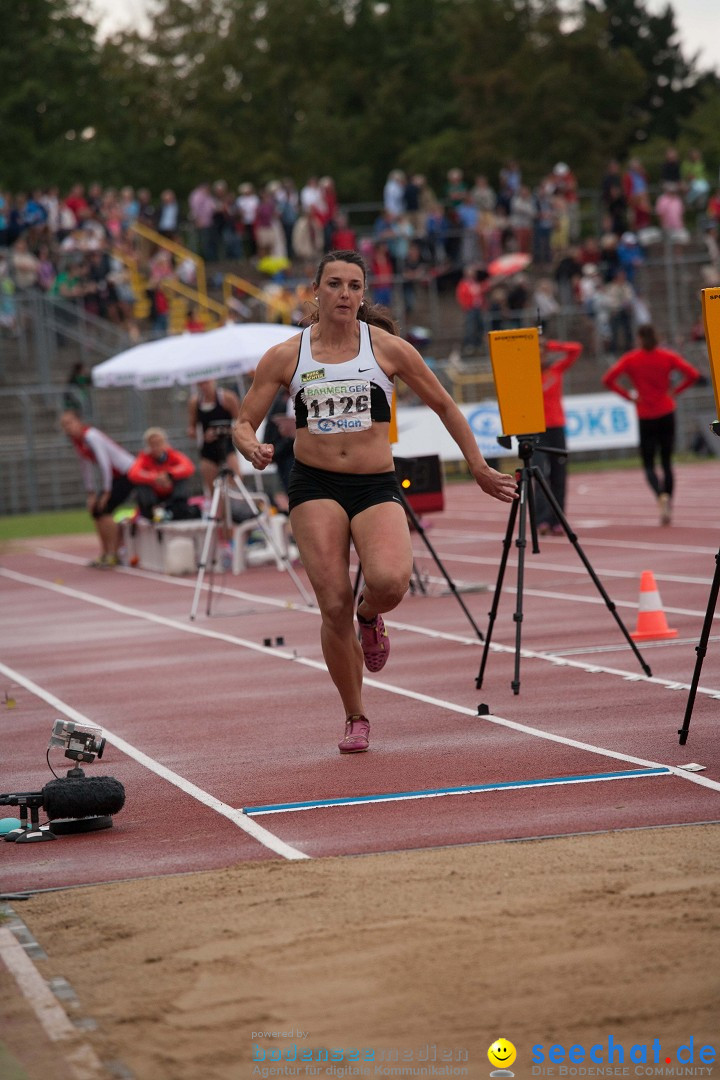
555	359
161	478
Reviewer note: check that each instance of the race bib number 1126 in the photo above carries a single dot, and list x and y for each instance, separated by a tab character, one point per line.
337	408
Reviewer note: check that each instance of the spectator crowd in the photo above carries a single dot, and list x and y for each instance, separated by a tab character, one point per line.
81	245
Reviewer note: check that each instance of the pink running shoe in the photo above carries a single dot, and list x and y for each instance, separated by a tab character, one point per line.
357	735
375	642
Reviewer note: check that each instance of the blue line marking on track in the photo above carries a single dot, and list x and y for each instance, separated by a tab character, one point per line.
468	789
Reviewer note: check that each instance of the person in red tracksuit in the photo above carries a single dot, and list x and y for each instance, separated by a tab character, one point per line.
649	370
161	478
555	359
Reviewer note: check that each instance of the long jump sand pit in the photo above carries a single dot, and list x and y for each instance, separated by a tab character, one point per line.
424	958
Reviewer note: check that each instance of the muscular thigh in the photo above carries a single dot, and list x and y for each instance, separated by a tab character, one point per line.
321	530
382	540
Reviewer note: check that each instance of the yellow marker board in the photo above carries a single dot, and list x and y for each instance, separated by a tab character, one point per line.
711	319
393	431
515	359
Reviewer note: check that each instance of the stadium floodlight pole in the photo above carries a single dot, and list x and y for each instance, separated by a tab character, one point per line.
522	509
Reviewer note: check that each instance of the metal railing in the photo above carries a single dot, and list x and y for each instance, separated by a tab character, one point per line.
39	469
178	251
274	305
46	326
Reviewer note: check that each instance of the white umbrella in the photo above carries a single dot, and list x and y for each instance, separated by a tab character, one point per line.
187	358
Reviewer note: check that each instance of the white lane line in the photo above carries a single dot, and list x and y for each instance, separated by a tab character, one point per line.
451	536
576	569
557	657
192	628
263	836
594	598
547	594
440	703
150	575
82	1060
621	646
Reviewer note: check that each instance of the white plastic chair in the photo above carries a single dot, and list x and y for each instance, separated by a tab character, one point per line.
276	524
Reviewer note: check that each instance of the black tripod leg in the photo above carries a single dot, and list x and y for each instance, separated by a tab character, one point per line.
701	650
358	579
451	584
525	499
540	477
507	541
533	519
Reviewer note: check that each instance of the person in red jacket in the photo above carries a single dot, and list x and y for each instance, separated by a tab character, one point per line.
649	369
161	478
555	359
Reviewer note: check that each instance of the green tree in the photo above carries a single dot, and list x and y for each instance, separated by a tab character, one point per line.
537	92
313	87
256	89
136	119
48	99
673	85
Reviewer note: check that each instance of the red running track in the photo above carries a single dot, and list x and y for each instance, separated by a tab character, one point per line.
203	720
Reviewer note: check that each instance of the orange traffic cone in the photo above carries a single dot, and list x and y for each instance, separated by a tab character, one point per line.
651	621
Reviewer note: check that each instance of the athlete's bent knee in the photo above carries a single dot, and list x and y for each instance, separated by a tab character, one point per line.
387	591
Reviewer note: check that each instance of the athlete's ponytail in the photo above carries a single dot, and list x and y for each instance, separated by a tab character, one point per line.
378	315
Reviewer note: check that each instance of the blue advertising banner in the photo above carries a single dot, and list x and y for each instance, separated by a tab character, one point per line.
592	422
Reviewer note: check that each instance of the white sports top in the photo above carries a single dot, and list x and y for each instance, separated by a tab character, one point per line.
98	449
332	399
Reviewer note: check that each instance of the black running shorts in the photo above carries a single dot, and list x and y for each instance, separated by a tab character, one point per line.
119	492
355	492
217	451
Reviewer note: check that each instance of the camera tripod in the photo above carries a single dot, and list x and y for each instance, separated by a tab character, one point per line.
436	558
522	509
29	832
701	648
224	493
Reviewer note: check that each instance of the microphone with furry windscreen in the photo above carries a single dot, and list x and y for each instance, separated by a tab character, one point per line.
74	803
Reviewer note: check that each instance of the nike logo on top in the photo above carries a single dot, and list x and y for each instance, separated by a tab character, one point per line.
365	368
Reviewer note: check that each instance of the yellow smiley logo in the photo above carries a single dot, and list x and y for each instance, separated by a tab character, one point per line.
502	1053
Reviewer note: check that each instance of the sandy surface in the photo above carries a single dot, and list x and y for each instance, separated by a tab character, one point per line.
567	941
